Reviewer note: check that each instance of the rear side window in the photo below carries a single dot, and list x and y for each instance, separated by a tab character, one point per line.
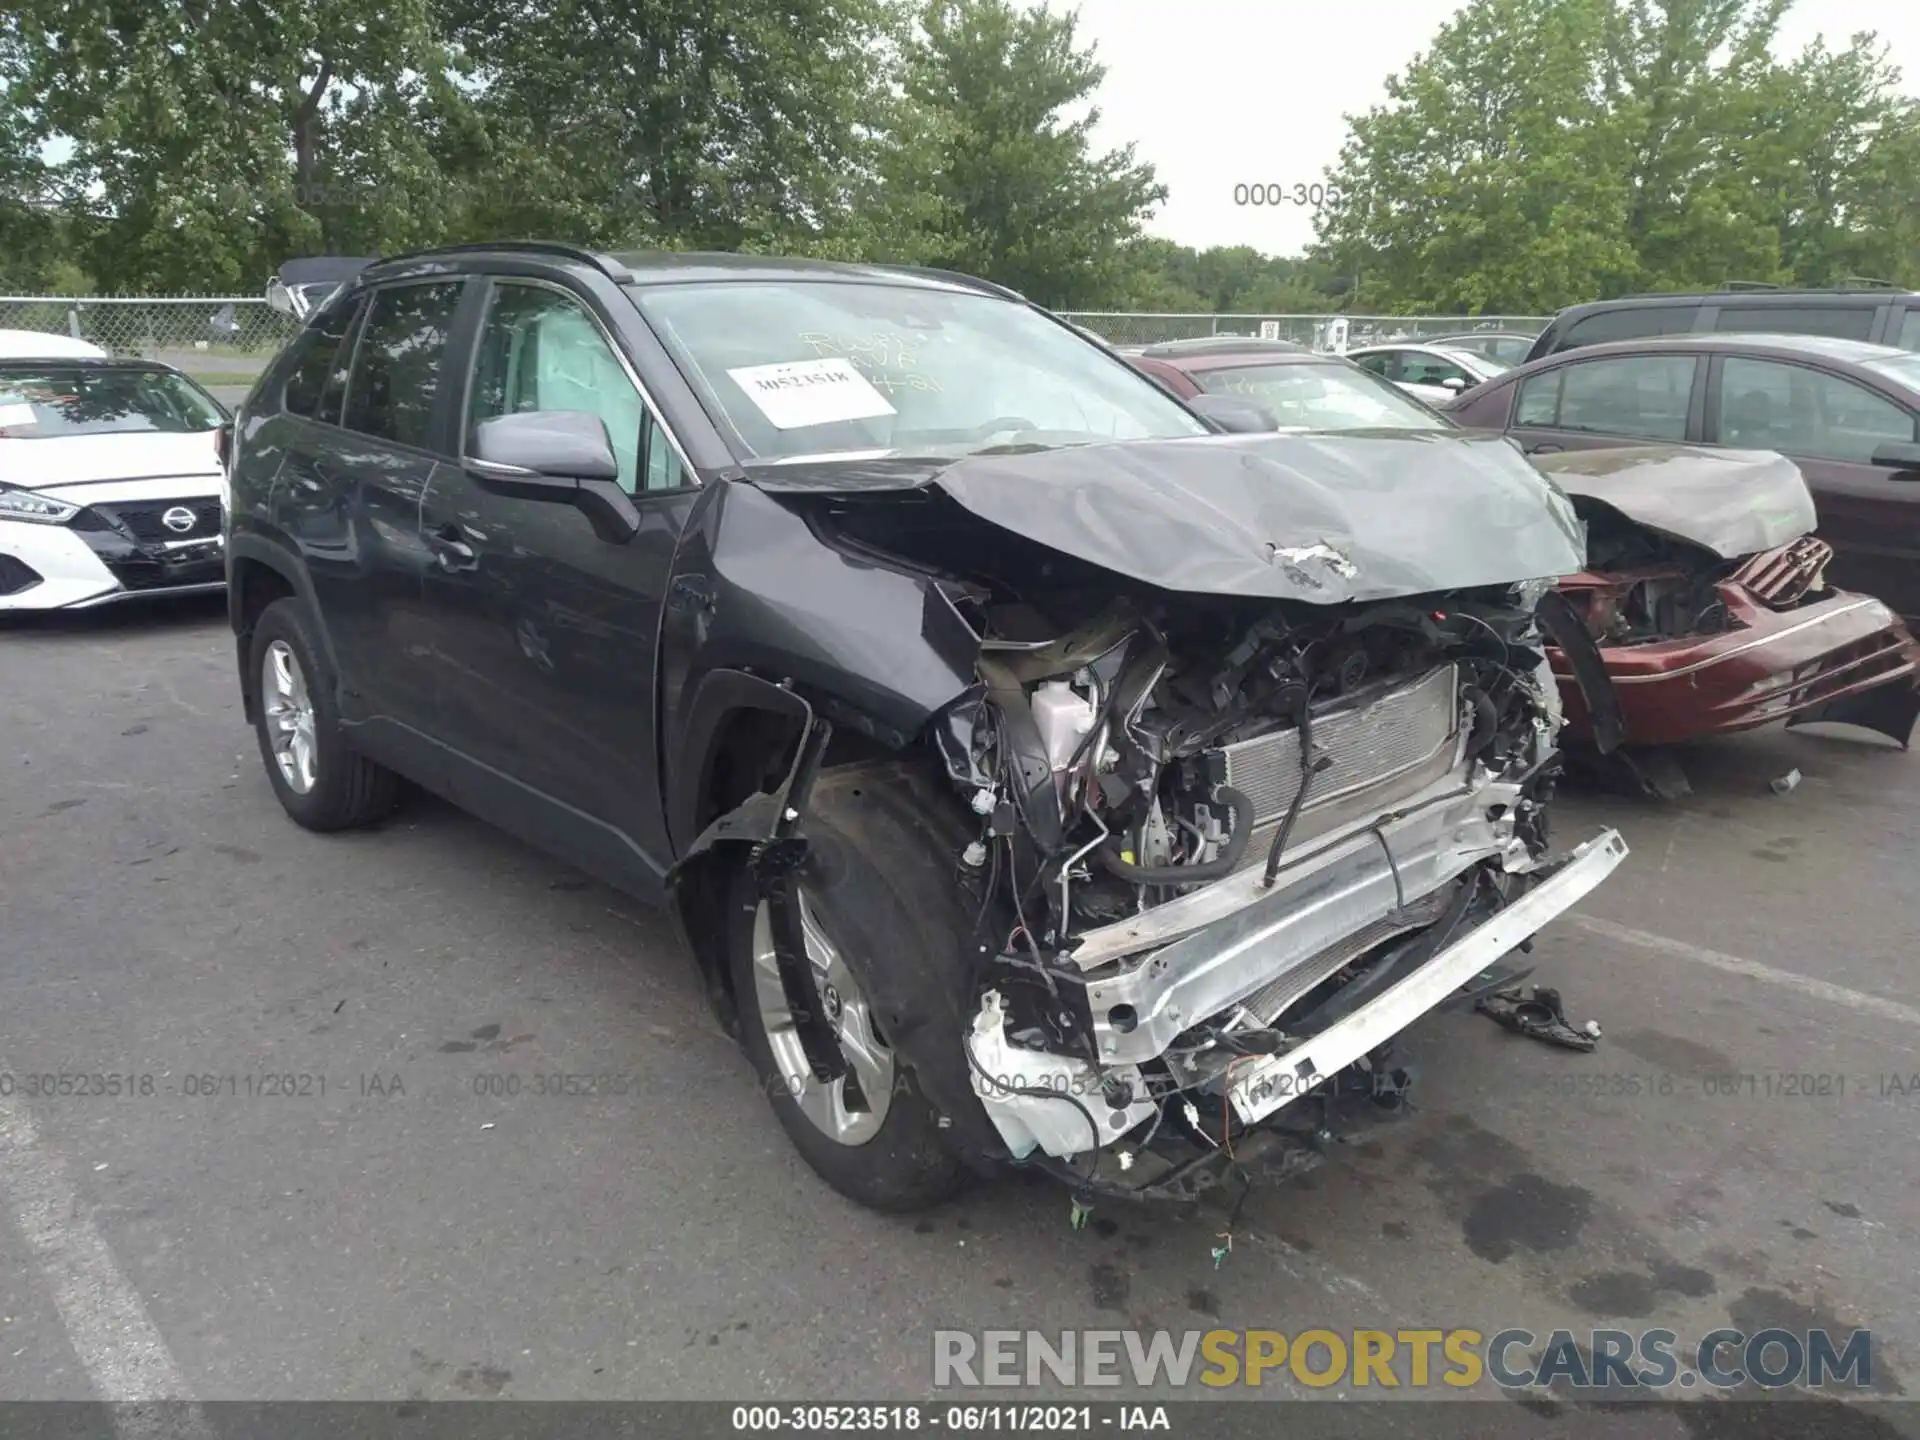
399	361
1634	322
1644	396
316	353
1843	322
1765	405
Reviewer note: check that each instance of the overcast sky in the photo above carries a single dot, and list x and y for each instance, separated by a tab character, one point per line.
1219	92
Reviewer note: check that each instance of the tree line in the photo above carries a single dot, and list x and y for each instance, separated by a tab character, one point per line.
1541	152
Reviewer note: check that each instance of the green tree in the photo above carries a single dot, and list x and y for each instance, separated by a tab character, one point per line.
1488	181
1549	151
210	137
980	170
715	123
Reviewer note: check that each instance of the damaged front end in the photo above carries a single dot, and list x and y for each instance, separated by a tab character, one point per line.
1706	593
1223	845
1241	856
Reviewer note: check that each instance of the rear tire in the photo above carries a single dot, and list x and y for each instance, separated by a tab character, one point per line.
322	782
872	887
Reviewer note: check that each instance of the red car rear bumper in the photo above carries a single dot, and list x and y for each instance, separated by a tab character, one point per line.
1771	665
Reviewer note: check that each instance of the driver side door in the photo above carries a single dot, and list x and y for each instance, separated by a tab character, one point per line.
547	630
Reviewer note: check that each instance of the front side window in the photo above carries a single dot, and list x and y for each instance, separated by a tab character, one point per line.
398	362
1765	405
1323	395
1633	322
1420	369
794	369
1384	363
45	401
540	350
1644	396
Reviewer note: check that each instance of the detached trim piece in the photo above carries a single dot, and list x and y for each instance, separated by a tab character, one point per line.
1568	632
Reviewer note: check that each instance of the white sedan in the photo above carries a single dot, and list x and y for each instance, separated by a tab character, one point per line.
1433	373
110	479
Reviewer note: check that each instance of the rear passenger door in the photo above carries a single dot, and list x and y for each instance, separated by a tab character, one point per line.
353	506
1618	400
1830	426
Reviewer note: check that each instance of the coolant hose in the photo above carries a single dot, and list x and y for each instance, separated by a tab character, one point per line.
1217	868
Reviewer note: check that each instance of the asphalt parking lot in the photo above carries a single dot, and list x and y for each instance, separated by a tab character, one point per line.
403	1233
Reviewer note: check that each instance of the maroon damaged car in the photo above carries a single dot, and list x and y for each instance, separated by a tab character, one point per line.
1705	588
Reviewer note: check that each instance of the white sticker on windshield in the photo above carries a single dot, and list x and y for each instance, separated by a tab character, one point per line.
799	393
16	413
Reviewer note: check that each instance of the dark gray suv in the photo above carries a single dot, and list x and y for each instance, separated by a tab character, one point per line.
995	725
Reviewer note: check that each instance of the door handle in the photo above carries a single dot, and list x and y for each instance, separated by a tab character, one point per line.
450	551
1547	449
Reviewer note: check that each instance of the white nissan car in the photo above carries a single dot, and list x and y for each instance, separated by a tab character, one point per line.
111	481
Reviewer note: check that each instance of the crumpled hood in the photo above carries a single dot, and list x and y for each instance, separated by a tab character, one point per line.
1323	518
1735	503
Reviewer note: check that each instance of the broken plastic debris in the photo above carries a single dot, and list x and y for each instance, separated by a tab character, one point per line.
1220	1252
1077	1217
487	1126
1125	1157
1785	782
1592	1027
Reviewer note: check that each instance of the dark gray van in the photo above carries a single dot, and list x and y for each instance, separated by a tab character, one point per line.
1875	313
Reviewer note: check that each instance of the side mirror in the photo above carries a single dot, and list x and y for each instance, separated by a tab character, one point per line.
1899	455
561	455
1453	383
1234	415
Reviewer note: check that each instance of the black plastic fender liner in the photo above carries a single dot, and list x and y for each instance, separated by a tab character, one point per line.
1563	626
718	696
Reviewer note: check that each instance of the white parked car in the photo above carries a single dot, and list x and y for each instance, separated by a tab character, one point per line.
111	480
1432	373
39	345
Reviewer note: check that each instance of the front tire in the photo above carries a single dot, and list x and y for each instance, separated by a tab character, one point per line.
862	898
322	782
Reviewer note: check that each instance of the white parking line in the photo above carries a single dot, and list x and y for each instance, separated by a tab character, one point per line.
106	1321
1826	990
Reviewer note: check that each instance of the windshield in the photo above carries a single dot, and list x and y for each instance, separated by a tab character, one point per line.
1322	396
49	401
801	369
1485	366
1903	368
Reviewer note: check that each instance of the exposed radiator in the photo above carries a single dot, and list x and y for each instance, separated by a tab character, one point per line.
1375	741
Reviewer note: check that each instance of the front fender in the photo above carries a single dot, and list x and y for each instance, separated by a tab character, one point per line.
757	591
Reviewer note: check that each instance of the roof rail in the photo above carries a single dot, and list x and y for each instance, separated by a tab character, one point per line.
1864	282
1748	285
606	264
972	282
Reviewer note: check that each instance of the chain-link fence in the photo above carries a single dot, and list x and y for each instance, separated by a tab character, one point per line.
219	335
237	334
1143	329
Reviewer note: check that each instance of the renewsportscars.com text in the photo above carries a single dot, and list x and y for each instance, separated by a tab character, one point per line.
1515	1359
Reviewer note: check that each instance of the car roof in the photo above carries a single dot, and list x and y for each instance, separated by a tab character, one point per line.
1201	345
1228	359
1477	335
1824	347
1871	294
40	345
641	269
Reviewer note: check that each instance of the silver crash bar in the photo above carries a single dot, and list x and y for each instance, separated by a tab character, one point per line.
1258	1088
